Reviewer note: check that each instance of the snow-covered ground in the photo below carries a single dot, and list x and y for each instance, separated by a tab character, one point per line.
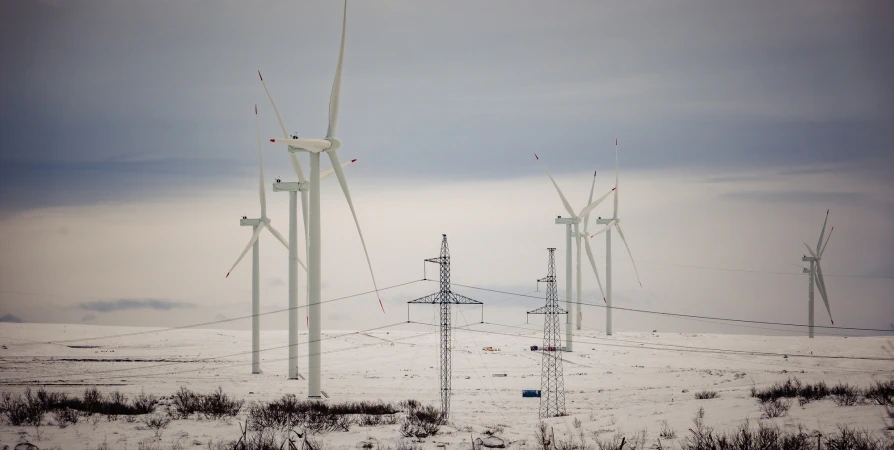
629	381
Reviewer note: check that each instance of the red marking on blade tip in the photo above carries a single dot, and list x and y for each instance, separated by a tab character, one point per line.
354	160
256	109
827	211
260	76
616	141
381	306
535	155
604	300
228	275
594	173
272	140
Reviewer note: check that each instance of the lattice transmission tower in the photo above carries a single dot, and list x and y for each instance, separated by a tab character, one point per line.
552	381
444	297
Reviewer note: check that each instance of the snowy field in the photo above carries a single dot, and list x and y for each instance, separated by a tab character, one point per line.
629	381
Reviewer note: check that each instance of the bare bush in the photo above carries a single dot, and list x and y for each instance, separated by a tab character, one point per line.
184	403
143	404
666	431
157	423
66	416
776	407
845	394
705	395
22	409
218	404
543	436
881	392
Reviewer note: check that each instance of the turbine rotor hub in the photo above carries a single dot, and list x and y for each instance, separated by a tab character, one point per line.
335	144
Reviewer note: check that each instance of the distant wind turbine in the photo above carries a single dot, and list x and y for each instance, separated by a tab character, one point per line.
614	222
329	145
574	222
259	225
816	273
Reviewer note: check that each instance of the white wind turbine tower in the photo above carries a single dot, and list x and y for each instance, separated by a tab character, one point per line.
614	222
574	221
258	225
816	273
329	145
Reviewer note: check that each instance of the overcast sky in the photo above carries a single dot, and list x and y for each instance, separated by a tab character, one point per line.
127	153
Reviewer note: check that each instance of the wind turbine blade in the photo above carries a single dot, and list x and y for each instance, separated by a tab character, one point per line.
586	211
820	241
823	250
810	250
328	172
603	229
340	174
311	145
821	284
336	85
254	238
590	200
273	104
621	233
561	195
593	265
296	166
280	238
616	178
261	166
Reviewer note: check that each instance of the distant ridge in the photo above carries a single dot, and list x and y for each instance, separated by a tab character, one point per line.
10	318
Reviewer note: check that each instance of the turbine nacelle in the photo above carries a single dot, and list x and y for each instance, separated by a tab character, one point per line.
308	145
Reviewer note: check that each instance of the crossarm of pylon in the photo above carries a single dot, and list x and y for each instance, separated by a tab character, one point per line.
548	310
431	298
463	300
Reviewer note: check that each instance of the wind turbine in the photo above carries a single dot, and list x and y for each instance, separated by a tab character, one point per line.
615	223
816	273
301	186
574	221
329	145
259	225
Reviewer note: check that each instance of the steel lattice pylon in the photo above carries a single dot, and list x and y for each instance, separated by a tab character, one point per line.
552	381
444	297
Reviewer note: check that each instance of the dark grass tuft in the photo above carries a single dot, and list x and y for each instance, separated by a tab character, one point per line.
706	395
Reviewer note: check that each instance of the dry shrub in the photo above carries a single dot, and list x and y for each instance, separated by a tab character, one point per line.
421	421
845	394
705	395
776	407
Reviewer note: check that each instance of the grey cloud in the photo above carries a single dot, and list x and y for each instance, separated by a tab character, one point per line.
9	318
681	85
126	304
88	318
826	197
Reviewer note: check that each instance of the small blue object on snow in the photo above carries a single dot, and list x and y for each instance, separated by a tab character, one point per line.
530	393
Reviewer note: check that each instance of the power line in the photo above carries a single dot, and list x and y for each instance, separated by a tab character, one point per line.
750	352
692	316
698	349
215	322
209	358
